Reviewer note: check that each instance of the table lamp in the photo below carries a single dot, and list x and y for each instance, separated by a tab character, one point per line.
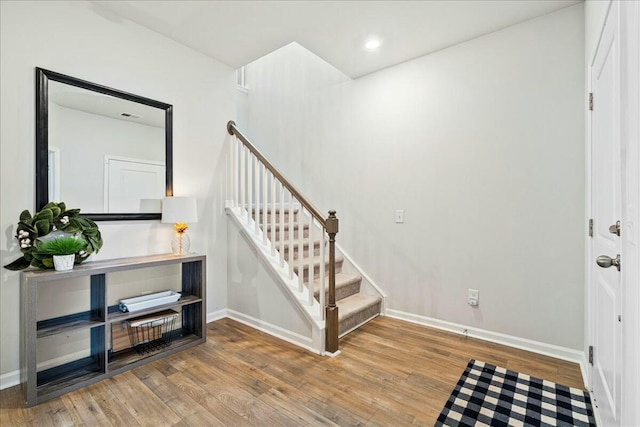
179	211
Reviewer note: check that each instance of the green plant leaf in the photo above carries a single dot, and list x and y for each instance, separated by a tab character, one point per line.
26	226
19	264
25	215
62	206
37	255
56	211
44	264
43	226
44	214
61	246
71	213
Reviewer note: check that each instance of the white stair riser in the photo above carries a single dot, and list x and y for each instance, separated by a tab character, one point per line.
316	270
305	250
287	234
342	292
286	217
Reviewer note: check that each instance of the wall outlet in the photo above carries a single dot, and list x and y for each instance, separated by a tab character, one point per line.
474	297
399	216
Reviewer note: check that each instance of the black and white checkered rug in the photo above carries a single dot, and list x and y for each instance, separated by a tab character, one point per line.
488	395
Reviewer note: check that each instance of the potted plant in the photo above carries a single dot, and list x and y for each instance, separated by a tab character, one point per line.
63	249
53	220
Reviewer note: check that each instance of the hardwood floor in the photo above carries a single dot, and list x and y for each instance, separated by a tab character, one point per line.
390	373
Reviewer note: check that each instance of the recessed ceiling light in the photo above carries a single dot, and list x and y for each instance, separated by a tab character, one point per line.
372	44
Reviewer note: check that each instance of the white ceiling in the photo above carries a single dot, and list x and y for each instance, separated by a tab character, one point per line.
239	32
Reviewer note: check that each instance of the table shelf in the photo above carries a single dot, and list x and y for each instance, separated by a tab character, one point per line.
102	363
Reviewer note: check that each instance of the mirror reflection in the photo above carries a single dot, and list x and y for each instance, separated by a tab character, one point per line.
115	145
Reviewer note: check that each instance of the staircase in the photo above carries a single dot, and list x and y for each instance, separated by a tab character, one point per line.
354	307
325	294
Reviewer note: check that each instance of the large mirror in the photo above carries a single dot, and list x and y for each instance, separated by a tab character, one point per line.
102	150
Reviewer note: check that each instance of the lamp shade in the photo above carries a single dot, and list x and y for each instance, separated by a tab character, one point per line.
179	209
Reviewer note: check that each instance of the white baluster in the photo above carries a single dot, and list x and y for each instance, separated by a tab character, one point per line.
301	250
235	175
243	176
249	186
256	203
273	215
281	239
265	211
311	252
322	274
291	261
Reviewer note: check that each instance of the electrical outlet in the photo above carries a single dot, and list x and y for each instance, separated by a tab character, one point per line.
474	297
399	216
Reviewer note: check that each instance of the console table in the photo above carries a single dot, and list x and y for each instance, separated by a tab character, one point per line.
102	362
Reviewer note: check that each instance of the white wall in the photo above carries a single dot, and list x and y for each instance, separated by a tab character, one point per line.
79	39
595	12
256	296
482	146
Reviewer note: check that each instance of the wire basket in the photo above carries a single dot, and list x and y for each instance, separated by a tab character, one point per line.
152	332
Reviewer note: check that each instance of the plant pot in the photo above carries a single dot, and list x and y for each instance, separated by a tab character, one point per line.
63	262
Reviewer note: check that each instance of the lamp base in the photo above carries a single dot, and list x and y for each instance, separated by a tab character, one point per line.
180	243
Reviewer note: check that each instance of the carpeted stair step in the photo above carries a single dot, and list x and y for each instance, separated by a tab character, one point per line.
315	264
346	285
356	310
277	211
306	245
284	233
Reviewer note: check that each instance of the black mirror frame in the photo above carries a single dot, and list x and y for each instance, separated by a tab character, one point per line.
42	139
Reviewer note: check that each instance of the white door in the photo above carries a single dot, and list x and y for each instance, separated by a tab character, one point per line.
606	209
133	185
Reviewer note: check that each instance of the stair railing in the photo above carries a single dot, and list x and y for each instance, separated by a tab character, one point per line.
258	188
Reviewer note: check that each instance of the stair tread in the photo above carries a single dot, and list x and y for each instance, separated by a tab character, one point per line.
355	303
342	279
296	242
315	260
286	226
277	209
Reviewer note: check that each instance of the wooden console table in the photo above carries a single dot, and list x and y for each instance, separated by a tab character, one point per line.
102	362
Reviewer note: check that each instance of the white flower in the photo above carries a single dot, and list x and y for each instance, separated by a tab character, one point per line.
24	245
54	228
65	219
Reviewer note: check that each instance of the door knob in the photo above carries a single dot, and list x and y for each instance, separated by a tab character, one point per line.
605	261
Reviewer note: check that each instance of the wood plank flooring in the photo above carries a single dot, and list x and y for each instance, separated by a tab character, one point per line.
390	373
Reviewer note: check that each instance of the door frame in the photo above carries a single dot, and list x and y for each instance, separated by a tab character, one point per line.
107	159
629	34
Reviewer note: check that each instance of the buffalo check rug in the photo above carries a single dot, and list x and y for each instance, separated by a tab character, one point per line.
487	395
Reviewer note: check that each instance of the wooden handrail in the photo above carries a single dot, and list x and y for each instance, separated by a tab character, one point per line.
329	224
233	130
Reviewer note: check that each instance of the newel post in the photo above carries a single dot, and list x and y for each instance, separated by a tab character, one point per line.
331	310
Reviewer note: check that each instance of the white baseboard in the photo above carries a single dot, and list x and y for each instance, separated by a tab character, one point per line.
217	315
13	378
276	331
9	379
551	350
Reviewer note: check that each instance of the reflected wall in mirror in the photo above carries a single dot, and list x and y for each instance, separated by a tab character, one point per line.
102	150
